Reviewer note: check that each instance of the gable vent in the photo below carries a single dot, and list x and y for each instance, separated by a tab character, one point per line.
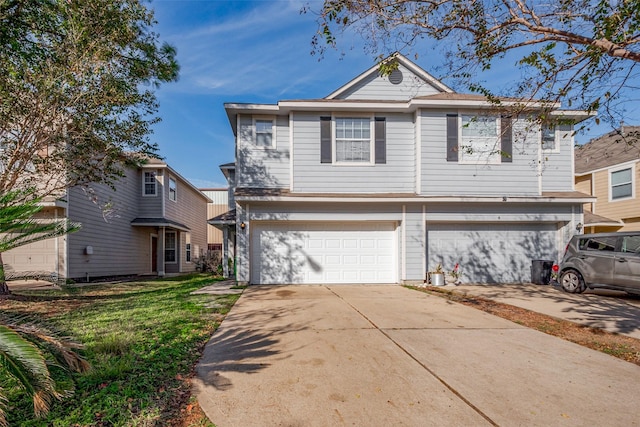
396	77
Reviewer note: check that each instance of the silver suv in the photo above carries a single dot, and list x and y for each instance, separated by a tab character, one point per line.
602	260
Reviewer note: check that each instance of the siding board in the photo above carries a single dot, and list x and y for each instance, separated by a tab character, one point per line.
263	167
396	175
377	87
440	177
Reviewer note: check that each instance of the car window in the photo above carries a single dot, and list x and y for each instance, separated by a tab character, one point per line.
607	244
631	244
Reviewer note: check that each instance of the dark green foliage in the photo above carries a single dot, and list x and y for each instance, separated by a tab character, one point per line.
142	340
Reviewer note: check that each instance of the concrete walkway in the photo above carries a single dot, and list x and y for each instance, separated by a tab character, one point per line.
391	356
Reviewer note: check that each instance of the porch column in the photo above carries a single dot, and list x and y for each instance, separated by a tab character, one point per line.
225	252
161	252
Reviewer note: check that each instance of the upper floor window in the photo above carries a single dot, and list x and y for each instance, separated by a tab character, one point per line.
475	139
353	140
150	184
549	141
173	190
359	140
621	184
264	132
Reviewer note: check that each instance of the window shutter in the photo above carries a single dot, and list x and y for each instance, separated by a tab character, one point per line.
381	139
506	140
452	137
325	140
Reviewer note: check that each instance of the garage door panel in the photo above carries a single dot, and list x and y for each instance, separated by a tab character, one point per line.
491	253
323	253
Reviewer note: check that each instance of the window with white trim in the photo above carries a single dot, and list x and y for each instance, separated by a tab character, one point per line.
150	184
549	140
479	139
170	247
173	189
264	132
621	184
353	139
188	247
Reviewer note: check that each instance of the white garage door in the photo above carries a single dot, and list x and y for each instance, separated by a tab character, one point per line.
35	257
491	253
316	253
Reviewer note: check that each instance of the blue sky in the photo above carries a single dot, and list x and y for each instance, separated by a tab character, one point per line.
257	52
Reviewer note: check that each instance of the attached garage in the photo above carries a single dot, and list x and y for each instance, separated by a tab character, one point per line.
38	257
323	252
491	252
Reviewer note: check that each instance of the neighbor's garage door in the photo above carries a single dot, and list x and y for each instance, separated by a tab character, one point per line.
315	253
493	252
34	257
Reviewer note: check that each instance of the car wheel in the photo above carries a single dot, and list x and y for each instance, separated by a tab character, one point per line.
572	282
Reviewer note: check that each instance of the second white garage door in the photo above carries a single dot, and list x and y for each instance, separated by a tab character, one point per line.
316	253
491	252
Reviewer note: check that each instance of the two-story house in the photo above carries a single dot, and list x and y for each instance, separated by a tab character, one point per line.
608	168
152	222
389	176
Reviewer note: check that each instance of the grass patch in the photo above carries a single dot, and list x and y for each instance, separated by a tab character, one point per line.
142	339
620	346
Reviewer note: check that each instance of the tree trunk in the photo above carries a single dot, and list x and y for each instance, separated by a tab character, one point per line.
4	288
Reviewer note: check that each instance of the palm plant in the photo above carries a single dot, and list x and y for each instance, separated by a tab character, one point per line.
27	349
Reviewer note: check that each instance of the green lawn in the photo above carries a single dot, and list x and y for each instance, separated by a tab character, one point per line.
142	340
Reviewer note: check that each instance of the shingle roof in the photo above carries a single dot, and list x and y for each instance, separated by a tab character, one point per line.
591	219
608	150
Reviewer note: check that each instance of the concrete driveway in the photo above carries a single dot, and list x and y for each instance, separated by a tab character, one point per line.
612	311
387	355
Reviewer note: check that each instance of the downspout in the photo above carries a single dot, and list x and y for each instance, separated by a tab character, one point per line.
56	246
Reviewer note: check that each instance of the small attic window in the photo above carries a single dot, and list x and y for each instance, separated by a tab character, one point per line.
396	77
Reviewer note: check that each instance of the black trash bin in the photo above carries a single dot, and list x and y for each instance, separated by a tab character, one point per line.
541	271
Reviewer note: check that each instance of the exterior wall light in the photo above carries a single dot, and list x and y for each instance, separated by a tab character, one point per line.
243	225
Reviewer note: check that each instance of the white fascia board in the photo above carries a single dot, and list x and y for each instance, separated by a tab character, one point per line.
57	203
484	104
399	106
577	115
233	109
449	199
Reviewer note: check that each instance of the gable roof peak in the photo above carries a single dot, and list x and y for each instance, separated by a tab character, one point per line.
375	70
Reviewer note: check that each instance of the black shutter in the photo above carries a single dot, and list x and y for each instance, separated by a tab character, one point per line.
325	140
452	137
506	143
380	131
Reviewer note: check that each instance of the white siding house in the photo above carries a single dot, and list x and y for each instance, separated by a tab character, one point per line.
389	176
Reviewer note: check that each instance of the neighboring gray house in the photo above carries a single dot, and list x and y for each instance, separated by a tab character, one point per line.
155	222
388	176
